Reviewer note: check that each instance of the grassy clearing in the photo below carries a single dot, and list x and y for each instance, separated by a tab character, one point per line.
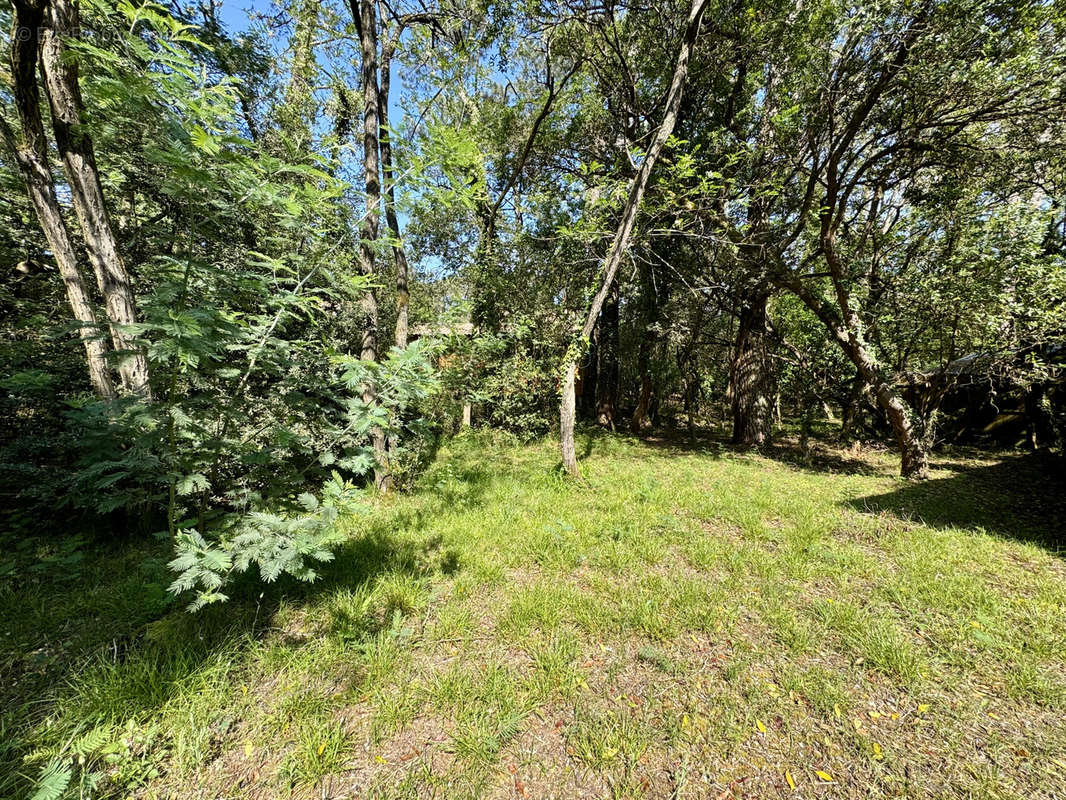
683	623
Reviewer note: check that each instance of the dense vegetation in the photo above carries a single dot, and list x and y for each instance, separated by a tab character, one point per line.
259	269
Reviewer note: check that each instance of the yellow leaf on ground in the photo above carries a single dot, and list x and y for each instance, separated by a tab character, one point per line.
923	707
825	776
321	747
760	726
791	782
877	751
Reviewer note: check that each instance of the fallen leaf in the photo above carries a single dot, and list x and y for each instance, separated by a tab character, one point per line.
760	726
825	776
791	782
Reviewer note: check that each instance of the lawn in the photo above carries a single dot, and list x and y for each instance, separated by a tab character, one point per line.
684	622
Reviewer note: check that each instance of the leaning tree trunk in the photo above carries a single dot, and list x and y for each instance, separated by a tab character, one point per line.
749	376
623	233
914	461
32	157
79	162
365	17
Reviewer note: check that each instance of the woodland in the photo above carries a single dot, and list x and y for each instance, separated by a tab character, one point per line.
450	398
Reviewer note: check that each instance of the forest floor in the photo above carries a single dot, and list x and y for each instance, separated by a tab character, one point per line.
684	622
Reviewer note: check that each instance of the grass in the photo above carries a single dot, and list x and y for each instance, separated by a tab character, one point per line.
683	623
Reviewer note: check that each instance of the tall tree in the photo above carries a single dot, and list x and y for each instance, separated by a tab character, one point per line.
623	233
364	13
60	67
392	36
31	153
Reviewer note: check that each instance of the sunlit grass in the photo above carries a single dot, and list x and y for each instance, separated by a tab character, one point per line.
676	623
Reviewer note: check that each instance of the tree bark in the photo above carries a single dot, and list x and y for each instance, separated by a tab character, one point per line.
365	16
607	362
79	162
590	376
31	154
1040	426
624	232
749	376
851	409
399	257
647	345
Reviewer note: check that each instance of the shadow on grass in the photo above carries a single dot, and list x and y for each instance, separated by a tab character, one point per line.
819	456
1022	497
108	644
823	458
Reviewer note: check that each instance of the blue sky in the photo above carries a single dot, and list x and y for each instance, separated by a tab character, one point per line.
234	12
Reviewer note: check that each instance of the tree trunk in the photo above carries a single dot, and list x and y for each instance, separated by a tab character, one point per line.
364	13
624	232
1040	420
851	409
399	257
647	345
749	377
296	115
607	361
690	379
567	414
914	461
79	161
32	157
589	375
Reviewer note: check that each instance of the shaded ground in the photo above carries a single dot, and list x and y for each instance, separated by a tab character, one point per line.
686	622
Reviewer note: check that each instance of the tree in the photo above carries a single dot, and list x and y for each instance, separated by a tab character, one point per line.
31	153
623	233
59	21
365	16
